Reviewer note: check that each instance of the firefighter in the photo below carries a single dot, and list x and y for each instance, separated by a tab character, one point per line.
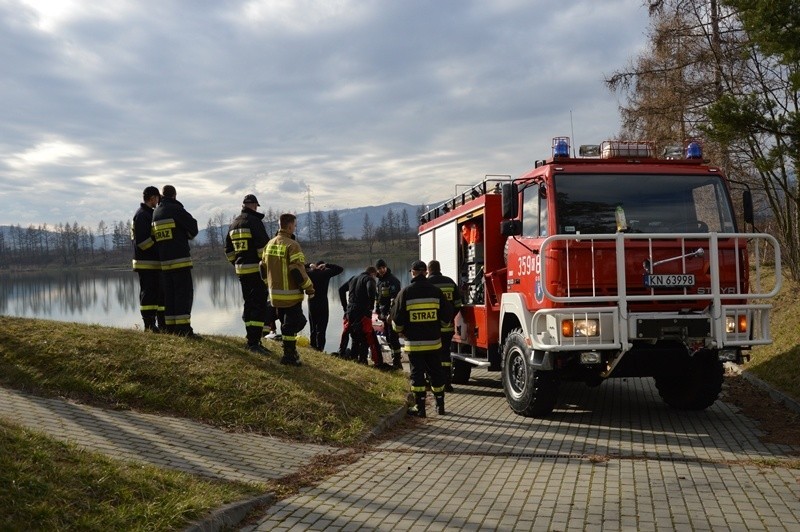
173	227
361	292
320	274
244	245
344	352
453	294
287	280
147	264
417	315
388	288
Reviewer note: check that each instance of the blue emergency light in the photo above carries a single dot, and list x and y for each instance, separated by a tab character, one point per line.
694	151
560	147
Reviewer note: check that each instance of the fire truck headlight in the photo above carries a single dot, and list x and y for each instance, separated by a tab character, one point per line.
736	323
579	328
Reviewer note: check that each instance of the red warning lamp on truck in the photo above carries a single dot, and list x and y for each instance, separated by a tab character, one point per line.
615	263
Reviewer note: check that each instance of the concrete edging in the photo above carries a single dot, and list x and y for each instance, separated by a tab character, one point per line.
779	396
229	516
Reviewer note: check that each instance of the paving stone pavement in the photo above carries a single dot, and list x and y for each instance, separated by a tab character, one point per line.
609	458
158	440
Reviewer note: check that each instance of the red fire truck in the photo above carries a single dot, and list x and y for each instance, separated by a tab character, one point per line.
613	263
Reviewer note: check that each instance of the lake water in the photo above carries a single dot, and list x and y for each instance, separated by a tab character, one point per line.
111	297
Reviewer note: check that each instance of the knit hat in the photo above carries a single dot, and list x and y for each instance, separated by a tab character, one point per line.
380	263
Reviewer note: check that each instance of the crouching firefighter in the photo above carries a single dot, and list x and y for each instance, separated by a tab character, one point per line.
287	280
418	312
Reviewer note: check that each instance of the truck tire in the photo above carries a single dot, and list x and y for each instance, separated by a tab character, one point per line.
529	392
461	371
698	388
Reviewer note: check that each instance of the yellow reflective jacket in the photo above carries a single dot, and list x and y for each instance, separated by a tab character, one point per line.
286	271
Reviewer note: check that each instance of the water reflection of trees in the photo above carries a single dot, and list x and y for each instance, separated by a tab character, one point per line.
223	285
72	293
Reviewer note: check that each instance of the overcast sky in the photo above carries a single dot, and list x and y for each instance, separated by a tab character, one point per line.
360	102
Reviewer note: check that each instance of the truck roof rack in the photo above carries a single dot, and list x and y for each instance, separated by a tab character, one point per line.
490	185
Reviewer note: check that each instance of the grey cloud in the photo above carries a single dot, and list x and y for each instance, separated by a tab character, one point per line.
406	98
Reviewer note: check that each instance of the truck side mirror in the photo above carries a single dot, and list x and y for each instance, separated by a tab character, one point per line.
747	204
510	227
510	194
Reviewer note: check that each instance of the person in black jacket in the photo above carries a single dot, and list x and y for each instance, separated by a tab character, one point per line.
244	245
147	264
173	227
388	287
453	294
361	292
320	274
344	352
417	314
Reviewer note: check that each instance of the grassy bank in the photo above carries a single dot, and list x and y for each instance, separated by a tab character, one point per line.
48	485
779	363
214	380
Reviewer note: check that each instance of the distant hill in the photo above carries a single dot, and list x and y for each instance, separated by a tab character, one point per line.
352	219
352	222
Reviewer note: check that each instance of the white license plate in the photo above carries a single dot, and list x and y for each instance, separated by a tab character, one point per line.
668	280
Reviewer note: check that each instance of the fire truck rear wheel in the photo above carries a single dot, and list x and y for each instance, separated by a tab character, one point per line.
698	388
530	392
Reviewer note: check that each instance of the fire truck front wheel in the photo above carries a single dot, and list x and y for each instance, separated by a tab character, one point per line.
698	388
529	391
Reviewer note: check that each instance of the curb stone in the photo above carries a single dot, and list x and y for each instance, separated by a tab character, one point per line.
229	516
779	396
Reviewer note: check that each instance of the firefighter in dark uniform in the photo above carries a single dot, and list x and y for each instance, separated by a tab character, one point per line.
361	293
388	288
244	245
320	274
453	294
287	280
173	227
417	314
147	264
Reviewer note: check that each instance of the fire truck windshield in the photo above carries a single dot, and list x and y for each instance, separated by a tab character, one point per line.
593	204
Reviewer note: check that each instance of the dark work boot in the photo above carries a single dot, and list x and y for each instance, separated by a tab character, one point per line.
253	335
418	410
290	357
440	404
397	362
150	323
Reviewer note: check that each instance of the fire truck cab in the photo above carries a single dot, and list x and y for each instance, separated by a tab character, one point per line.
614	263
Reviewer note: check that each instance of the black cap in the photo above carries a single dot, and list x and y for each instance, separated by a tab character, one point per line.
250	198
149	192
419	266
380	263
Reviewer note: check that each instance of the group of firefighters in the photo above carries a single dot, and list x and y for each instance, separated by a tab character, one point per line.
275	279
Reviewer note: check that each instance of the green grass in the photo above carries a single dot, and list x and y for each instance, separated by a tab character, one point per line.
48	485
779	363
214	380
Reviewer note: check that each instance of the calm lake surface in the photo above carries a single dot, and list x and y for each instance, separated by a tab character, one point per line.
111	297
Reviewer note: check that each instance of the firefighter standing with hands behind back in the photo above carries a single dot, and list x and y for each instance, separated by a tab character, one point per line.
287	280
417	315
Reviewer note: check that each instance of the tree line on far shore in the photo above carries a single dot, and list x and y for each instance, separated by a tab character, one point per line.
73	244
